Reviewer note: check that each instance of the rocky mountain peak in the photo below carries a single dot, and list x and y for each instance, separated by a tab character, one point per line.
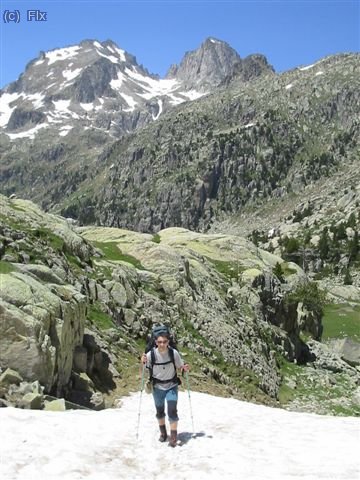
206	66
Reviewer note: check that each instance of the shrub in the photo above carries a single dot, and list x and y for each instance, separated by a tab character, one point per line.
310	295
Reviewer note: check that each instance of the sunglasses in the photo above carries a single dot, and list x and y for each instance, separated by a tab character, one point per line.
162	342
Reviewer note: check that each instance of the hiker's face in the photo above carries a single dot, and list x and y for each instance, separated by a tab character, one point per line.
162	343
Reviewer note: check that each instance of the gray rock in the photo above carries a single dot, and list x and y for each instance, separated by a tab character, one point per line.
10	376
80	359
348	349
97	401
32	401
55	405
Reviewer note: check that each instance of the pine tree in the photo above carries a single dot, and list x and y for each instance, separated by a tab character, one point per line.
277	271
347	277
324	246
354	247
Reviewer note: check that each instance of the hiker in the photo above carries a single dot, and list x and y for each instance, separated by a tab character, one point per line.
162	362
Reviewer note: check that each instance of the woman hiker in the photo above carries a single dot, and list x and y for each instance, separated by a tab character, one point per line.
163	362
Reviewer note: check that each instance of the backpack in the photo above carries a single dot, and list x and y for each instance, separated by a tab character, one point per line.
158	330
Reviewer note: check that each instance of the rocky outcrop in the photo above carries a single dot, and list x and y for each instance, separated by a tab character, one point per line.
207	66
41	325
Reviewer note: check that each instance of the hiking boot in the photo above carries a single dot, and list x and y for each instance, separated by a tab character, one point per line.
173	438
163	433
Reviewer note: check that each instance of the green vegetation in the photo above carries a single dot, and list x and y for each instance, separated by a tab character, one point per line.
287	270
100	319
113	252
310	295
6	267
277	271
303	385
229	269
341	320
56	242
156	238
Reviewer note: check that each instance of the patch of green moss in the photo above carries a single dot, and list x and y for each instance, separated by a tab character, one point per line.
6	267
56	242
100	319
286	394
112	252
226	268
287	271
156	238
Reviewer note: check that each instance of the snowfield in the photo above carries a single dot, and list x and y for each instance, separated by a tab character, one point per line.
233	440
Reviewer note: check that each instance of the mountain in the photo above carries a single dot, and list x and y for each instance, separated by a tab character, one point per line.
212	63
242	147
253	152
101	86
73	102
92	84
258	441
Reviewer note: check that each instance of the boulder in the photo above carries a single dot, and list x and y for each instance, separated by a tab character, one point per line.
348	349
55	405
9	377
97	401
32	401
82	382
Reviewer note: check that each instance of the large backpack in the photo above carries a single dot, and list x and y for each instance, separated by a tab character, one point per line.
158	330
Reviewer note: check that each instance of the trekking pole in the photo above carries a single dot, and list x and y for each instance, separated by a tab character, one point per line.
141	392
191	413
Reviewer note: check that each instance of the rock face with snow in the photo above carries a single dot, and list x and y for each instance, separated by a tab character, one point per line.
92	84
100	85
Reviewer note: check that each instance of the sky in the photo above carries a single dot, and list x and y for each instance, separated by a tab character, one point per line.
289	33
230	440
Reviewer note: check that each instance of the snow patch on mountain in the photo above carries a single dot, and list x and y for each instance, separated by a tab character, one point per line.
62	54
130	101
109	57
71	74
87	106
5	109
65	130
193	94
28	133
117	82
160	104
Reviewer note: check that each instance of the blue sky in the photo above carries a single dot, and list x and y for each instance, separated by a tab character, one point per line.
289	32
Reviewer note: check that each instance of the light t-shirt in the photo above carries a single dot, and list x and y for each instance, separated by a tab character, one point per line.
164	372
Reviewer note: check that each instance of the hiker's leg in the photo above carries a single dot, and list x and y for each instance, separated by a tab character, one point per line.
171	398
159	400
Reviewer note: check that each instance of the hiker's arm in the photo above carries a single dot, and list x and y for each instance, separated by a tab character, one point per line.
184	367
144	359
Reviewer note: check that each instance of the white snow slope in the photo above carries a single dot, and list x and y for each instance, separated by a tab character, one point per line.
233	440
